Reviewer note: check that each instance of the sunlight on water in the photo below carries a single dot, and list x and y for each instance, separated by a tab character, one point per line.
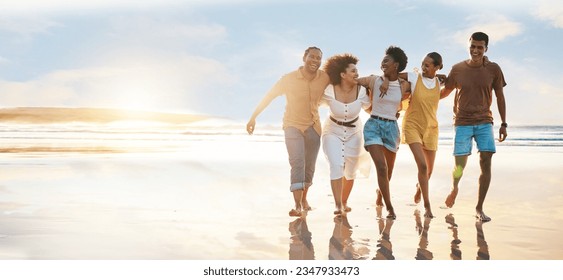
152	136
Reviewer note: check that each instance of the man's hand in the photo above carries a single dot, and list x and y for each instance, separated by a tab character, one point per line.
441	78
384	87
502	134
250	126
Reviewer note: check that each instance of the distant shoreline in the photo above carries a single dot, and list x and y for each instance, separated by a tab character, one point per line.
42	115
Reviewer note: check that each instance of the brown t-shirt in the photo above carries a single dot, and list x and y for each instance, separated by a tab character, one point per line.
303	98
474	94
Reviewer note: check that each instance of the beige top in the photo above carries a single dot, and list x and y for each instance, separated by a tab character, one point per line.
303	98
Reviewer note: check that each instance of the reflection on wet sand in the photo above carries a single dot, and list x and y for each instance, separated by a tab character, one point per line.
341	245
482	246
422	252
483	251
385	248
300	246
455	251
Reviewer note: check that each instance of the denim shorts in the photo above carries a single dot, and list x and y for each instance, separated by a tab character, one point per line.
483	135
384	133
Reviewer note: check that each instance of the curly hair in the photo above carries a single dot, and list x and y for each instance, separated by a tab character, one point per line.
398	56
337	64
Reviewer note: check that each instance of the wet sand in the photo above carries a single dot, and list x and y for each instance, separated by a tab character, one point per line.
229	200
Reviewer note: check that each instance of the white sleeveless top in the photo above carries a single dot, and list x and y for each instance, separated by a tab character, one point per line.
388	105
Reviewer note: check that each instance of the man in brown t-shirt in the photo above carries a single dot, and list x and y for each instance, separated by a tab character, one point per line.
303	89
474	80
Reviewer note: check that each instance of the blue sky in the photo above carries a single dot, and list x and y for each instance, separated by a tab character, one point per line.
219	57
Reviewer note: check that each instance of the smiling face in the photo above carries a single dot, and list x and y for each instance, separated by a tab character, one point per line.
312	60
389	66
428	67
477	50
350	75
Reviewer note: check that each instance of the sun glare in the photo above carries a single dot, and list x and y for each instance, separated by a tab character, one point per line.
135	95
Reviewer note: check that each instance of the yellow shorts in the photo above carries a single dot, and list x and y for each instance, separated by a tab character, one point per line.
427	137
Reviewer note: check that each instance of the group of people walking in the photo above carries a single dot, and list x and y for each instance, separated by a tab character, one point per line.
343	139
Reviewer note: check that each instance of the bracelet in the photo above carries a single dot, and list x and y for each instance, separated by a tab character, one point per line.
504	124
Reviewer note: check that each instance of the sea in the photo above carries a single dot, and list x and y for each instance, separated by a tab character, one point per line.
143	136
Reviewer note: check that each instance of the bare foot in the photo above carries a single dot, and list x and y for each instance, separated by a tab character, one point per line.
482	217
418	194
347	209
379	200
428	213
450	200
391	214
338	212
306	206
295	213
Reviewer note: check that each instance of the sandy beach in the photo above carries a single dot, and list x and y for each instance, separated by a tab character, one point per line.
224	196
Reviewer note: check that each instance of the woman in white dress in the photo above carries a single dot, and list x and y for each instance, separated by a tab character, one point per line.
342	133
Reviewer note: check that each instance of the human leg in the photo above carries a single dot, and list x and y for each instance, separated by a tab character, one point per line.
460	162
484	183
295	144
484	137
421	163
346	190
418	154
390	160
378	156
430	157
336	186
312	146
462	149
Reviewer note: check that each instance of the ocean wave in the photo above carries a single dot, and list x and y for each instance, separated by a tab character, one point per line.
134	136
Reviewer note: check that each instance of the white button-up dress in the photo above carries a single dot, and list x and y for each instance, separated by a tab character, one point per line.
343	146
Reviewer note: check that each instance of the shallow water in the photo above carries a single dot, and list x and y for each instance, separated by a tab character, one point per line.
221	195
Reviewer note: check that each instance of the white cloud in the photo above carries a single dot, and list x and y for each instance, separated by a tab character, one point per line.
551	11
498	27
152	82
23	7
166	32
507	6
26	7
27	26
531	91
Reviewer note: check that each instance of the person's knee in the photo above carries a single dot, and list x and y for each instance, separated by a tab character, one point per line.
423	169
458	171
485	159
381	168
429	172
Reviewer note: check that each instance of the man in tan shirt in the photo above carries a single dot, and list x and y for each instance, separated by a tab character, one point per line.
303	89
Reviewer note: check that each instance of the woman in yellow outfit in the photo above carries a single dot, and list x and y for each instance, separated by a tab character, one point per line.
420	124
